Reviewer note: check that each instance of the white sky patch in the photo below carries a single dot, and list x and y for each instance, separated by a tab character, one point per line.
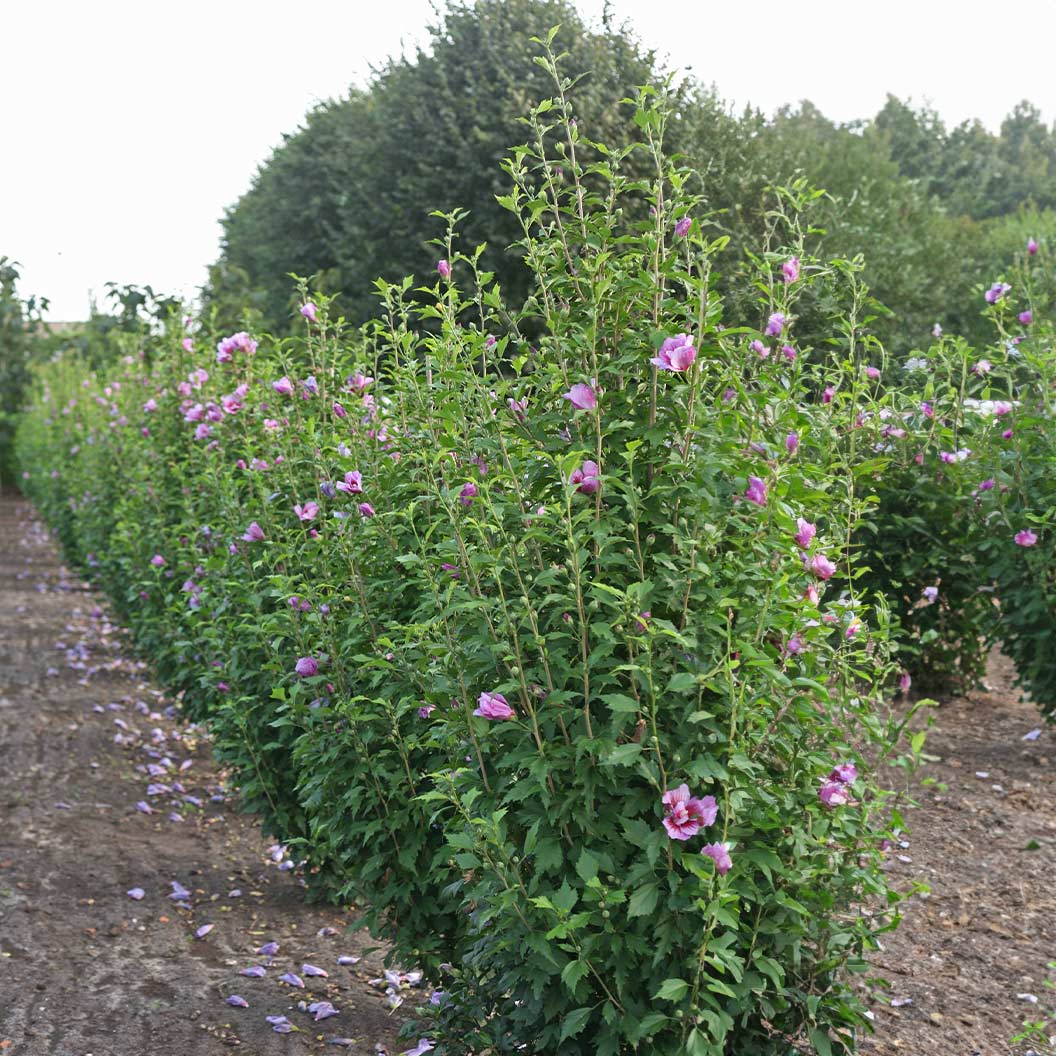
129	127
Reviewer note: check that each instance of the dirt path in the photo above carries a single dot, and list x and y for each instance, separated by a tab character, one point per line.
972	951
85	969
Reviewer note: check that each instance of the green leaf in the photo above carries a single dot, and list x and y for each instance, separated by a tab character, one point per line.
643	901
672	990
574	1022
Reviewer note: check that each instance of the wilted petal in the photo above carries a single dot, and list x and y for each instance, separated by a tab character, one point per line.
237	1002
311	969
293	980
255	971
323	1010
355	960
135	893
269	949
204	930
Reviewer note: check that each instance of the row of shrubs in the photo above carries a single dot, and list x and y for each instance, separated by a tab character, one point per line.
553	638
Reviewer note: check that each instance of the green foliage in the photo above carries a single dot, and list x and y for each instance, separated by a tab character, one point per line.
625	575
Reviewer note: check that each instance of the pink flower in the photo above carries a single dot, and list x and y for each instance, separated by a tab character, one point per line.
827	394
1007	434
641	621
444	269
150	406
581	397
1026	538
1032	247
587	477
795	645
493	706
685	814
467	494
518	408
307	666
791	269
788	352
775	324
158	561
366	510
426	710
904	682
872	373
834	794
792	443
1027	317
231	404
308	311
358	382
759	349
676	354
683	226
352	484
822	567
719	853
982	367
240	342
756	491
284	387
805	532
308	512
187	344
845	773
996	292
254	533
339	411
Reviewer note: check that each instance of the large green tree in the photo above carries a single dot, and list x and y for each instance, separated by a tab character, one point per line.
349	194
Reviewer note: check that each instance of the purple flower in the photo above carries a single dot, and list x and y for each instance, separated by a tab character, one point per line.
150	406
996	292
426	710
930	594
307	666
237	1002
366	510
518	408
444	268
352	484
805	532
467	494
756	491
1027	317
845	773
759	349
158	561
827	394
795	645
834	794
788	352
424	1045
581	396
775	324
254	533
587	477
1032	247
308	512
686	815
872	373
308	311
240	342
493	706
676	354
790	268
904	682
682	227
792	443
982	367
719	853
1026	538
284	387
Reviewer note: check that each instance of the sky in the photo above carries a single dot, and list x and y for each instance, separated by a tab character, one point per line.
128	127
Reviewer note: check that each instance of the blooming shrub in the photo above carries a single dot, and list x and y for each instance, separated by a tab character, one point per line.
548	650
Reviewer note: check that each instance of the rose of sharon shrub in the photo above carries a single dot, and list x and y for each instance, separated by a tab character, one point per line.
535	649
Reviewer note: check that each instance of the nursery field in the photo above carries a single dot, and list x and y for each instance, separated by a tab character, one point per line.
622	633
85	968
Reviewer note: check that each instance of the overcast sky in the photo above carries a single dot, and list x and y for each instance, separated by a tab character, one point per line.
127	127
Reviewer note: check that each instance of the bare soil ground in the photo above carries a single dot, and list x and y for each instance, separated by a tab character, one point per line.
86	970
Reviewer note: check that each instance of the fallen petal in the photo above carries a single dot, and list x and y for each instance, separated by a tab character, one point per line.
269	949
348	960
135	893
255	971
323	1010
237	1002
293	980
310	969
1032	736
204	930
